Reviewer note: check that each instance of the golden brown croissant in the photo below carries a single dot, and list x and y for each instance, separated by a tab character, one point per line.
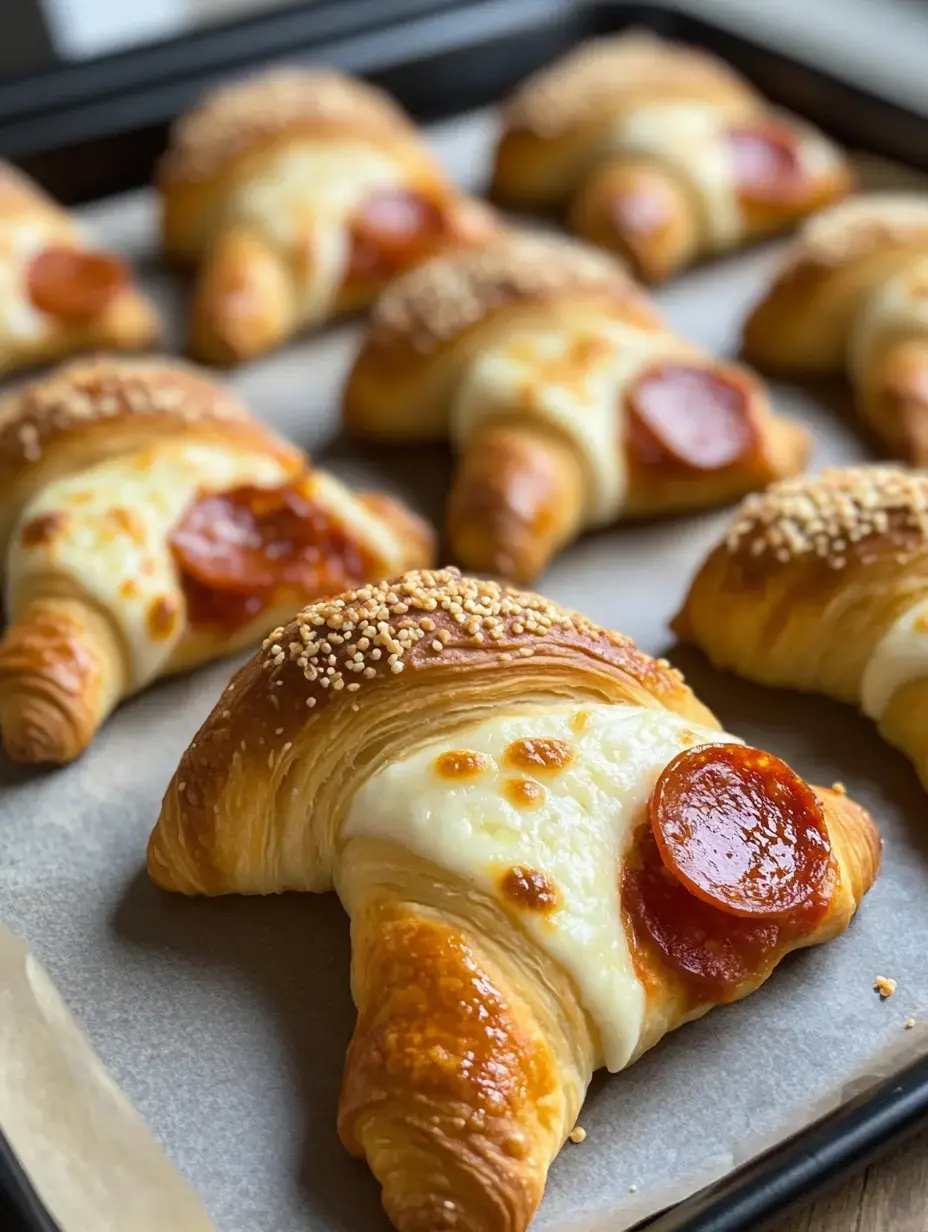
821	584
524	817
148	524
661	153
569	401
301	195
852	296
59	294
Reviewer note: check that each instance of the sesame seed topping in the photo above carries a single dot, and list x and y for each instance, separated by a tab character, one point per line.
829	515
99	390
607	73
443	297
232	120
860	225
402	622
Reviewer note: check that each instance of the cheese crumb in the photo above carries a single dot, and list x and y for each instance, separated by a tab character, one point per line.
839	789
909	1024
884	986
577	1134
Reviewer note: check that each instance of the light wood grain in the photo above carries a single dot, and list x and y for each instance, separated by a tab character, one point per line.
890	1196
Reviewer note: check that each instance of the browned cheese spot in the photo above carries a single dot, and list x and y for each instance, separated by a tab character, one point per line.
42	529
539	753
529	889
523	793
129	589
580	721
162	618
462	764
128	522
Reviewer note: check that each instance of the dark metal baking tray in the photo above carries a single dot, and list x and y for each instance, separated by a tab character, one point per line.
96	128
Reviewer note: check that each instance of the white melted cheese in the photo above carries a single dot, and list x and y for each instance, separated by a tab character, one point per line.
303	200
363	525
20	241
690	139
900	657
897	310
576	836
111	525
573	379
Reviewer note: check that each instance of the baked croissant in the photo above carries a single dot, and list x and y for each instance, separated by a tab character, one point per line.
525	818
59	294
300	195
569	401
661	153
821	584
852	297
148	524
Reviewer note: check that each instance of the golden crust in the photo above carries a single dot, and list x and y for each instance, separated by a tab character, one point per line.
235	119
108	396
604	74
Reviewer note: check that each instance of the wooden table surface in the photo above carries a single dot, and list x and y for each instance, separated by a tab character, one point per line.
890	1196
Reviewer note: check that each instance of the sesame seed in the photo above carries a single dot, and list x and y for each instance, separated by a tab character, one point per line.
832	516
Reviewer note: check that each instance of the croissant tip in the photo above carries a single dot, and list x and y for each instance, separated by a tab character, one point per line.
36	732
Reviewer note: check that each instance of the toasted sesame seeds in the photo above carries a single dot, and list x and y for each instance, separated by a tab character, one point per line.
445	296
100	389
612	72
233	119
393	618
860	225
827	515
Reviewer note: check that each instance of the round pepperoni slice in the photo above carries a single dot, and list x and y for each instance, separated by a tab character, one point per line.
713	951
765	161
234	549
690	416
392	229
740	831
74	284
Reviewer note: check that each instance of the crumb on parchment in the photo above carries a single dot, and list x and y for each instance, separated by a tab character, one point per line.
909	1024
884	986
577	1134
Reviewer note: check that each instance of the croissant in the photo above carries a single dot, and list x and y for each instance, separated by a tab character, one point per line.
661	153
852	298
147	524
570	403
525	818
58	294
821	584
300	195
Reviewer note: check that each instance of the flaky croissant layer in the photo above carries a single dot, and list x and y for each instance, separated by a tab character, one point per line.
512	804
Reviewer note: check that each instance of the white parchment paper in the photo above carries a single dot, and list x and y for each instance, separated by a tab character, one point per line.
226	1021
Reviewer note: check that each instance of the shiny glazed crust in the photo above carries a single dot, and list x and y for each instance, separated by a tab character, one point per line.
440	974
810	576
804	320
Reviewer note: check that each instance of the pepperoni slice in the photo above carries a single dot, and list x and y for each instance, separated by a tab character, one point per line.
393	229
74	284
741	831
235	549
691	416
765	160
713	951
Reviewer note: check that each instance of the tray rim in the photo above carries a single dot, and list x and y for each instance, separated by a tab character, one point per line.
858	1131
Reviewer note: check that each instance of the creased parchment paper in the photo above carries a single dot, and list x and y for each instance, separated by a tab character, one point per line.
85	1148
226	1021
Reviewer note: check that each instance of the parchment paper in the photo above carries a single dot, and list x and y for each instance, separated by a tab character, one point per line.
226	1021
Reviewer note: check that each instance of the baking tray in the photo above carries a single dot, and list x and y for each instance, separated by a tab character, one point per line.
226	1021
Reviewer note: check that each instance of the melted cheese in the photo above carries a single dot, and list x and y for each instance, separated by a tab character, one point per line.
572	378
576	835
104	531
689	138
303	199
897	310
20	241
900	657
361	523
